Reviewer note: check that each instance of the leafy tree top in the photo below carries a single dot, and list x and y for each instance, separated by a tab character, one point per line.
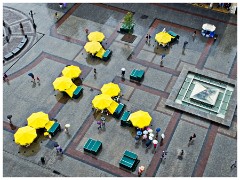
128	19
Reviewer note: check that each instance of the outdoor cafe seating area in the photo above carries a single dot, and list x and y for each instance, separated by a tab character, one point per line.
95	48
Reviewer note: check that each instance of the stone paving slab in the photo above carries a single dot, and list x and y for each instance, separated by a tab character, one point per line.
146	56
21	168
163	108
78	28
156	79
173	167
168	61
75	168
98	14
224	155
144	99
126	91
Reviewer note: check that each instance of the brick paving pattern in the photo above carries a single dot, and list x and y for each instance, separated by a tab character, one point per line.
58	43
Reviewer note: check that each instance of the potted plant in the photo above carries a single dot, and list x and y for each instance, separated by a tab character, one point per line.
128	24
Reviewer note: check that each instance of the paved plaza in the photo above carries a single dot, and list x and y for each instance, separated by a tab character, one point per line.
58	42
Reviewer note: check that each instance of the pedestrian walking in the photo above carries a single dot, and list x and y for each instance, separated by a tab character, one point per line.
100	125
9	30
9	117
144	137
61	5
191	138
21	26
95	72
59	149
234	165
163	156
56	15
163	55
38	79
7	39
43	160
5	77
184	45
148	144
180	155
155	142
194	35
66	127
103	122
32	76
86	30
148	38
215	37
140	170
123	71
162	136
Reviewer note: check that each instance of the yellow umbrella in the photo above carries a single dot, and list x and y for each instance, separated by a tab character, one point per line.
102	101
110	89
71	90
38	120
163	37
96	36
140	119
71	71
62	83
25	135
92	47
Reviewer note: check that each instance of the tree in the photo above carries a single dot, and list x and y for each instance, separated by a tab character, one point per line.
128	20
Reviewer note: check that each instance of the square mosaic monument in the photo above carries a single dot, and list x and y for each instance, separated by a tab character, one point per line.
206	94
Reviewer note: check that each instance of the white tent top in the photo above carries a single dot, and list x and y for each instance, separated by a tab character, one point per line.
208	27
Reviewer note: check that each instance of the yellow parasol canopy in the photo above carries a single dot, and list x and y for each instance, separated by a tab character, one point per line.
71	71
62	83
71	90
110	89
38	120
25	135
96	36
92	47
163	37
49	125
102	101
140	119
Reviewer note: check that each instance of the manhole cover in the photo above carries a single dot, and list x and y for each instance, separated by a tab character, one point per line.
144	17
129	38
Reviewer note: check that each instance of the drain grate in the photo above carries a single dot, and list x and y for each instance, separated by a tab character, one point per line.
144	17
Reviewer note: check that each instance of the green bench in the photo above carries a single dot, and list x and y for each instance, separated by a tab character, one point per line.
54	129
77	92
129	161
124	119
117	113
93	146
107	55
130	154
176	36
137	75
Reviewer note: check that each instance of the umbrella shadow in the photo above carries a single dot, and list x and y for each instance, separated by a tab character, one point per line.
77	81
34	84
33	148
92	60
161	50
62	97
